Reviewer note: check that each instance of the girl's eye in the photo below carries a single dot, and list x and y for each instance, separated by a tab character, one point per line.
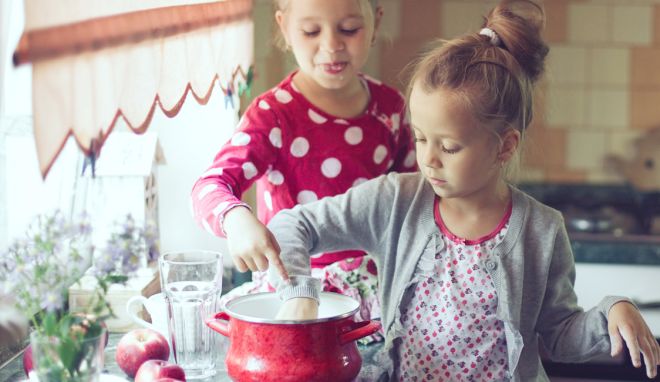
310	33
419	140
349	32
451	151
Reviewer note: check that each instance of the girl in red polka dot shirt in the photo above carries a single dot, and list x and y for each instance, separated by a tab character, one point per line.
474	274
325	128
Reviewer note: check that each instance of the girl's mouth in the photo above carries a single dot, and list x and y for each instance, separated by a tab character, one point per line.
335	67
437	182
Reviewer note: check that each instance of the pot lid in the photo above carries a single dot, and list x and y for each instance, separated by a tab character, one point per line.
263	307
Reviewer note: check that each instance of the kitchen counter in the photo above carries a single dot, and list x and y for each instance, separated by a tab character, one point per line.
608	369
12	371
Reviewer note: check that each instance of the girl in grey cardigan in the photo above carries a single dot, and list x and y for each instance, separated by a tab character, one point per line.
472	271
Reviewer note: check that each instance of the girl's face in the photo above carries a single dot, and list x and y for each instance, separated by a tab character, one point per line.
330	39
458	156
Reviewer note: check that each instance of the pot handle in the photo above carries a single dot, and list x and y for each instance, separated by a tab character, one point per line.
220	323
359	330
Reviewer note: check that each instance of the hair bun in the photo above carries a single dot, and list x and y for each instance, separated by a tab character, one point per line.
518	24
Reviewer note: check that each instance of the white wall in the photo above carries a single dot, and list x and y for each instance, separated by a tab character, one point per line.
189	141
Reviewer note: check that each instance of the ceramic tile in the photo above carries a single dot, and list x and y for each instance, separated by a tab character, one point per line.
566	64
588	23
420	18
460	17
586	149
644	67
556	25
565	176
644	109
545	147
633	24
565	106
609	66
394	56
608	109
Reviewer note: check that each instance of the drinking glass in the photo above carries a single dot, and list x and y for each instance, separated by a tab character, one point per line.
192	283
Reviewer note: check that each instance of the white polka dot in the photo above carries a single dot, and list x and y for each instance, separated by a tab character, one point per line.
268	200
206	190
341	121
316	117
249	170
379	154
264	105
353	135
275	137
410	159
213	171
275	177
331	167
220	208
299	147
396	122
389	164
207	227
306	196
240	139
283	96
359	181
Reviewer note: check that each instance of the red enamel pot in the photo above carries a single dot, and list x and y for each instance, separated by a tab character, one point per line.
264	349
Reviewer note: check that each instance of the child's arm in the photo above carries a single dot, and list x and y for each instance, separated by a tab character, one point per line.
354	220
569	333
216	195
625	323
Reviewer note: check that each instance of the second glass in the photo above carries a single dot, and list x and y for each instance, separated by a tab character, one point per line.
192	283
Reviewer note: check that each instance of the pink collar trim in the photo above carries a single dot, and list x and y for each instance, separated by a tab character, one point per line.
457	239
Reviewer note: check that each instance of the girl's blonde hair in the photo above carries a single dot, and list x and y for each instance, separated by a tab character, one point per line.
282	5
494	76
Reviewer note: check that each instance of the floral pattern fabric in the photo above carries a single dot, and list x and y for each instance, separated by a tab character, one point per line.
451	332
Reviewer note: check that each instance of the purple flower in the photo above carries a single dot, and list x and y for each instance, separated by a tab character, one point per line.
52	300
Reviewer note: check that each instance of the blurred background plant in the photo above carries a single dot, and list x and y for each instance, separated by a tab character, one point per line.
129	248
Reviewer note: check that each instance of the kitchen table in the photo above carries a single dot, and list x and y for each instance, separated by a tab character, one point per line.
12	371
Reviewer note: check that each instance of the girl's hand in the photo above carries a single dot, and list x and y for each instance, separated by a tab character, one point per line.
251	245
298	309
625	323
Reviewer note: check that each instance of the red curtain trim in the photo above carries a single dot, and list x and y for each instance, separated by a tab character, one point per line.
97	143
129	28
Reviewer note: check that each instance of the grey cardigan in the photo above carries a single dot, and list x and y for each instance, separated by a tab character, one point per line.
391	217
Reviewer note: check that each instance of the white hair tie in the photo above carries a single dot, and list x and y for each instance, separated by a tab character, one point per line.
494	38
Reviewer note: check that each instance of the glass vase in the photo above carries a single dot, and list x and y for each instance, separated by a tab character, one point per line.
65	360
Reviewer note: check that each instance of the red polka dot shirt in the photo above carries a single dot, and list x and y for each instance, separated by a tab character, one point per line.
297	153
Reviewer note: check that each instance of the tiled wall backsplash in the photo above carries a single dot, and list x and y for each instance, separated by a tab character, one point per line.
600	93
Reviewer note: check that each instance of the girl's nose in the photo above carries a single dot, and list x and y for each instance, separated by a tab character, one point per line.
332	42
429	158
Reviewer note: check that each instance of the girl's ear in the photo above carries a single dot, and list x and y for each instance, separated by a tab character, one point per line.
510	142
279	18
378	15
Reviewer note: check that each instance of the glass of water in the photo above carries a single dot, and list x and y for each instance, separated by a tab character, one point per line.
192	283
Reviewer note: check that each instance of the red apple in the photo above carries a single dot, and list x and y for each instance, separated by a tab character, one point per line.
27	360
157	370
139	346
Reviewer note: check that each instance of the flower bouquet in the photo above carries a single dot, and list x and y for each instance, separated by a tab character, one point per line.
37	271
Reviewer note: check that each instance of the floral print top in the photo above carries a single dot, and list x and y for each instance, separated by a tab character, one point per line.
451	332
